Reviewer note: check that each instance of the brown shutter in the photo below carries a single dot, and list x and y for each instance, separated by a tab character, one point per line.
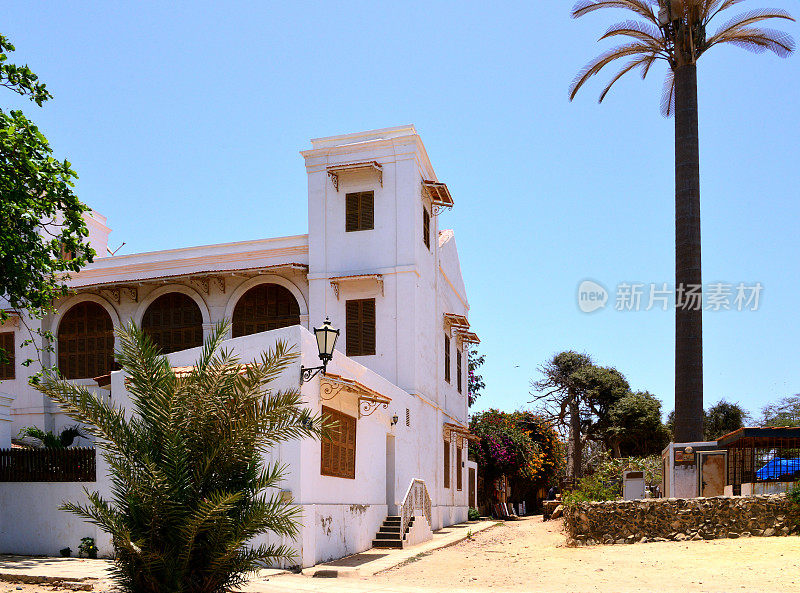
360	327
447	464
459	483
338	453
351	214
447	358
7	346
367	211
359	211
263	308
426	227
458	369
85	342
174	322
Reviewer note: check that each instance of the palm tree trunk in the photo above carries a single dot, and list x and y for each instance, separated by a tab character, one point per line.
688	314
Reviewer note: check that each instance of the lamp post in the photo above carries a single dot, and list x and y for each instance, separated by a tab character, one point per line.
326	342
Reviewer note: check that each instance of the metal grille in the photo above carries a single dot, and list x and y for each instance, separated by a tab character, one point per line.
763	460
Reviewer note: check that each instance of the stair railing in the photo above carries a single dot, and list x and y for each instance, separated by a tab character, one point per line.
416	499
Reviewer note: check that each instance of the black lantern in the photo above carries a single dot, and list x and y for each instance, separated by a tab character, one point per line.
326	342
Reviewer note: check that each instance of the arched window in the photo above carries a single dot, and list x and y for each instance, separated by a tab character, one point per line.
265	307
85	342
174	322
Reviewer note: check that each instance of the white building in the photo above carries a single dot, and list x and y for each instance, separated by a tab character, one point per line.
374	261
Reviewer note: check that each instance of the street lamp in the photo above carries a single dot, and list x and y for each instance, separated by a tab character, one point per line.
326	342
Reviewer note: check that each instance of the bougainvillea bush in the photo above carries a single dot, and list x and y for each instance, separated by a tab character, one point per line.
520	445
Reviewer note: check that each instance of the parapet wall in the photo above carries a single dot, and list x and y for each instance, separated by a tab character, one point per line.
661	519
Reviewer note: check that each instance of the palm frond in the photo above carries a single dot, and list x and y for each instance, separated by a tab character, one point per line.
644	61
754	16
640	31
600	62
642	8
668	95
757	40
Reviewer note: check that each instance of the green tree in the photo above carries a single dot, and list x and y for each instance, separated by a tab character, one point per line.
676	32
784	412
190	487
42	217
577	395
722	418
635	427
475	382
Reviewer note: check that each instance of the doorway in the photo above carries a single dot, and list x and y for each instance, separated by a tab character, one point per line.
472	502
390	477
713	474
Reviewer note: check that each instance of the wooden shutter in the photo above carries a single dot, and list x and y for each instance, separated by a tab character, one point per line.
458	369
359	211
426	227
338	455
85	342
447	464
360	327
9	354
447	358
263	308
459	480
174	322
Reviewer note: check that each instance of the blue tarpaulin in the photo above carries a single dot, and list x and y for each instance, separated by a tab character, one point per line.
778	467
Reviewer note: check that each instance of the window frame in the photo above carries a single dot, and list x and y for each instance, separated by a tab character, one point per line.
8	369
361	327
349	445
77	353
357	217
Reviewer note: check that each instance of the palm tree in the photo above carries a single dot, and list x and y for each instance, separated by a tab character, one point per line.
190	489
675	31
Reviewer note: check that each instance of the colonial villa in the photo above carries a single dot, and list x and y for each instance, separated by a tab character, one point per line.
376	263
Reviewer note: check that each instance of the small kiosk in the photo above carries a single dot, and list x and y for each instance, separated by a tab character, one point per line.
761	460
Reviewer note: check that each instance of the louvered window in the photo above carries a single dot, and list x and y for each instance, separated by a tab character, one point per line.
174	322
459	372
426	227
447	464
447	358
360	211
85	342
459	473
7	354
265	307
339	451
360	327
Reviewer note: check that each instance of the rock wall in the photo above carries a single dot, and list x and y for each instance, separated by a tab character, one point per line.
661	519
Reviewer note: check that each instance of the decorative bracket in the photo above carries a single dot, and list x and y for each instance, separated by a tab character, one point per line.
132	293
336	281
113	293
366	406
335	170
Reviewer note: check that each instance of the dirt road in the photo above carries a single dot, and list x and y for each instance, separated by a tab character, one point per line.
531	556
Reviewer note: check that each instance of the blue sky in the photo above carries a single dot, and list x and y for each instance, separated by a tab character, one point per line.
184	122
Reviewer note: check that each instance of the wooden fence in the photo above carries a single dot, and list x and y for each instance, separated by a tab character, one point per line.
48	465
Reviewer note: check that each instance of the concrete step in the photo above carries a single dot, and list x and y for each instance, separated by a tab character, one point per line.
388	543
389	529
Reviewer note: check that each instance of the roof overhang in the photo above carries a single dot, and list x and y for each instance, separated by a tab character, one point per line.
767	436
334	171
369	281
331	385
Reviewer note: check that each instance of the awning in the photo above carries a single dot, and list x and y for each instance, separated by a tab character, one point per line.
461	432
453	320
331	385
439	195
467	337
370	280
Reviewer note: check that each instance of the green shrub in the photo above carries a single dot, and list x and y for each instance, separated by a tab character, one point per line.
473	514
190	488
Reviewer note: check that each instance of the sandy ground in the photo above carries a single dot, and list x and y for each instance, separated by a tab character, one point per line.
530	555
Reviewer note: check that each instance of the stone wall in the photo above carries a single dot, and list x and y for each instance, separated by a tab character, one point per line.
661	519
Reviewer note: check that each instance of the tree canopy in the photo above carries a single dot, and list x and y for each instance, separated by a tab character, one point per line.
475	382
784	412
43	235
